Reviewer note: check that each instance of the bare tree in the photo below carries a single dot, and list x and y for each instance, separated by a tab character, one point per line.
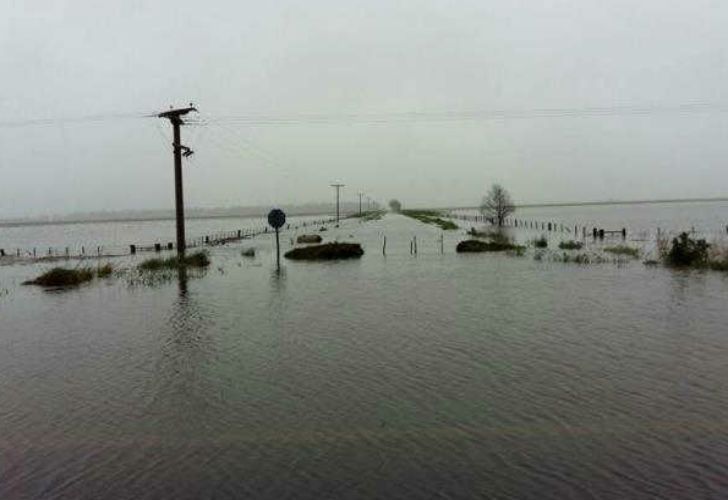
497	204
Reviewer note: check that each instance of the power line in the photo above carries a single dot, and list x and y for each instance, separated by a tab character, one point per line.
71	119
473	115
400	117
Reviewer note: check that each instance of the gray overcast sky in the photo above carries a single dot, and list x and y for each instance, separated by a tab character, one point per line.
291	58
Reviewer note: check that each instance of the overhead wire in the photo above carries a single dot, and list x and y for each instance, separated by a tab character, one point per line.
474	115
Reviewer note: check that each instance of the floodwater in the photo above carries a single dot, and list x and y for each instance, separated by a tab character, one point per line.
433	375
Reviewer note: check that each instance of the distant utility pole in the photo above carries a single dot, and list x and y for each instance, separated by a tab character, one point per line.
369	204
360	195
175	117
337	187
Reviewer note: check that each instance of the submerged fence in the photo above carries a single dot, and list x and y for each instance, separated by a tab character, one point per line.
116	250
550	226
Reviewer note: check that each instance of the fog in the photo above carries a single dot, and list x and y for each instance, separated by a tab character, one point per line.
429	102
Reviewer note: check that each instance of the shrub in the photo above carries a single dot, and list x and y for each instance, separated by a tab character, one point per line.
687	252
719	265
327	251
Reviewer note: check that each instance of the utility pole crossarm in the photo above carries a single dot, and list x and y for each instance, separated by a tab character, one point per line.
174	114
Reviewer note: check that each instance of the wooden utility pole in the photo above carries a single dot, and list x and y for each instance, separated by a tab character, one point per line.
337	187
175	118
360	195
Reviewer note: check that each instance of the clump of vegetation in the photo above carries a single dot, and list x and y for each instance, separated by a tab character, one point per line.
248	252
571	245
104	271
687	252
541	242
370	216
719	265
431	217
197	259
581	258
498	235
468	246
327	251
309	238
61	277
395	206
623	250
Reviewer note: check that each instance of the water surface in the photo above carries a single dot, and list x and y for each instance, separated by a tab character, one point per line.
397	376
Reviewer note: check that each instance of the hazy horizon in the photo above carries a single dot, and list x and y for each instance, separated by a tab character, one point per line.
426	102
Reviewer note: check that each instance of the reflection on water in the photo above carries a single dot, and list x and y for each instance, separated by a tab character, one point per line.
437	376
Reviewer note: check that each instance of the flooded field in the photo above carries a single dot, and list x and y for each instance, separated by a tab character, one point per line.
434	375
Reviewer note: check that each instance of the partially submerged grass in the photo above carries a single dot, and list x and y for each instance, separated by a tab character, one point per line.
623	250
368	216
541	242
309	238
497	236
104	271
327	251
61	277
571	245
197	259
431	217
473	246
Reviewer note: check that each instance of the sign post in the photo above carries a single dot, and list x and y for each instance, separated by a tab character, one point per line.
276	218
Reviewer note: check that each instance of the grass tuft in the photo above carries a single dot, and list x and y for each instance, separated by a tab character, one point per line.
431	217
473	246
623	250
197	259
61	277
571	245
104	271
